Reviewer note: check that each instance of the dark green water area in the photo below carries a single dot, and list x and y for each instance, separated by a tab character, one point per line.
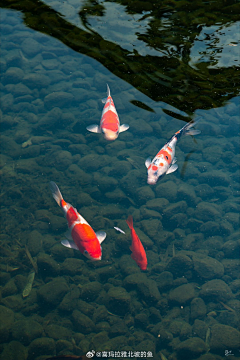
166	62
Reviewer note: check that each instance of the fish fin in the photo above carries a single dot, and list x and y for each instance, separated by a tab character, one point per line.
148	162
133	257
68	235
101	235
69	244
123	127
94	128
187	128
108	91
174	160
56	193
172	169
129	221
104	100
193	132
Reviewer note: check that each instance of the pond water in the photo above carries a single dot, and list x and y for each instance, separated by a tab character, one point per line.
166	63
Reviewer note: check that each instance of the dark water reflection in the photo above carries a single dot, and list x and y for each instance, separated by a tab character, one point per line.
159	59
164	62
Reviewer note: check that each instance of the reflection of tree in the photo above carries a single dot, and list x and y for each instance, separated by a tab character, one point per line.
173	27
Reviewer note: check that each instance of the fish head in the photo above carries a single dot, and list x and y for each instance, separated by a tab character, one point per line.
155	173
93	254
110	135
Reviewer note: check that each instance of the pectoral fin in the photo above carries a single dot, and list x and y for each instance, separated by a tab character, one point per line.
123	127
101	236
174	160
172	169
69	244
94	128
68	235
148	162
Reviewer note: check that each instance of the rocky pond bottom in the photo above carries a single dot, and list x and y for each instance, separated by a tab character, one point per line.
52	299
185	306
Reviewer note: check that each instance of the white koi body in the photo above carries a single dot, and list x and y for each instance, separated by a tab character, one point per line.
109	124
165	160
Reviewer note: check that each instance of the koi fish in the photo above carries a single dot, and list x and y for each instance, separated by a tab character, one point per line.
109	124
165	160
80	235
138	252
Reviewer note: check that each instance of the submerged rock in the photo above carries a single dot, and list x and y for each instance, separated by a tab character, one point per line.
14	350
119	301
198	308
82	322
216	290
7	318
53	292
26	330
182	294
208	268
191	348
224	337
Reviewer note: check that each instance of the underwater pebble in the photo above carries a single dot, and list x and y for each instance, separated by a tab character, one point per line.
205	211
26	330
47	265
34	242
69	302
14	350
31	47
58	99
7	319
214	178
224	337
198	308
90	291
119	301
13	75
191	348
231	249
182	294
82	322
41	346
169	188
208	268
216	290
180	265
72	266
53	292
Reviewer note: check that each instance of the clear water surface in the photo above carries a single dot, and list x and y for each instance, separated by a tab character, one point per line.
166	63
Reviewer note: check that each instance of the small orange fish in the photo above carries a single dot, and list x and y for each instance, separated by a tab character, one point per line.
138	252
109	124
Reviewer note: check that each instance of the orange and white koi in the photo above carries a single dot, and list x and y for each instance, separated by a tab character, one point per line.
109	124
80	236
165	160
138	252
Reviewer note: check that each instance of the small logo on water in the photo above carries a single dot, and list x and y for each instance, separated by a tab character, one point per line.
90	354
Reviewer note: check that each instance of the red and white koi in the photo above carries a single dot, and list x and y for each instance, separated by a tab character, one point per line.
165	160
80	235
109	124
138	252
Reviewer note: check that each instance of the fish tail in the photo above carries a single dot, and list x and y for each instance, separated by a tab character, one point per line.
108	91
187	129
56	193
129	221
